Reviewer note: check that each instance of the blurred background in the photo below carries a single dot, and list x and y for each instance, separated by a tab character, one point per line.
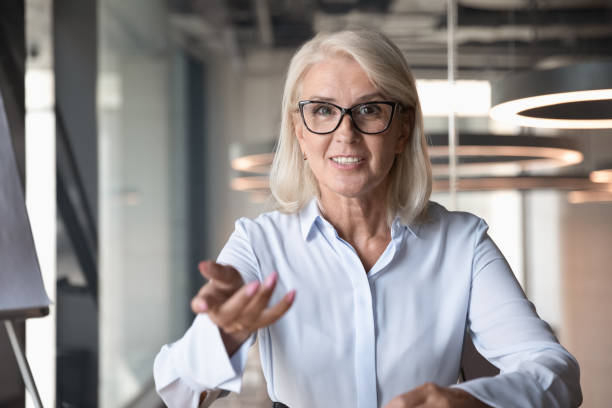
143	129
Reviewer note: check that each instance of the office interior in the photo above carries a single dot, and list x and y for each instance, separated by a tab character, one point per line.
143	129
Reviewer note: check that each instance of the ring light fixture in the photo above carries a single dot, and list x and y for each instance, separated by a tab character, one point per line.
502	155
589	196
487	162
478	154
603	175
252	158
253	163
577	96
582	185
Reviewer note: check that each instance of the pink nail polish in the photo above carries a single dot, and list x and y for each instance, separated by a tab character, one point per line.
202	306
270	280
290	296
252	288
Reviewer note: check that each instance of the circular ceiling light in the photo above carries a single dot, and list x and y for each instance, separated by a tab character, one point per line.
589	196
258	184
252	158
516	183
603	175
478	155
577	96
253	163
496	155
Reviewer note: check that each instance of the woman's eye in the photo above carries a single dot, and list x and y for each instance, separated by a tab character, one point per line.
367	110
323	110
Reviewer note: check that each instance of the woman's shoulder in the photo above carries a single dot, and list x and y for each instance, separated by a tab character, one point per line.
267	222
438	216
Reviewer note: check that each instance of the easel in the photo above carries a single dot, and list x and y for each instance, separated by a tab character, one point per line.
22	294
24	367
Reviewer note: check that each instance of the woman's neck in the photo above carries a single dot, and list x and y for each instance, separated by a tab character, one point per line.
356	219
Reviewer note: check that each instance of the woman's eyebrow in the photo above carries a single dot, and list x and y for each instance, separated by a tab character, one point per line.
320	98
363	98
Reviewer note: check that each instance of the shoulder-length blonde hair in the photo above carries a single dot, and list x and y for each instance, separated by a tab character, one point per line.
291	180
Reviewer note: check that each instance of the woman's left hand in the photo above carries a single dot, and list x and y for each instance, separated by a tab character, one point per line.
430	395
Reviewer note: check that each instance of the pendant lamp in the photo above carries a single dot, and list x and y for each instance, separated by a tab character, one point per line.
577	96
602	174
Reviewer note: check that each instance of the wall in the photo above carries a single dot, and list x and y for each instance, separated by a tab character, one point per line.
586	234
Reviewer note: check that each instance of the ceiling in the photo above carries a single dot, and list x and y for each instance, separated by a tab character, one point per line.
493	36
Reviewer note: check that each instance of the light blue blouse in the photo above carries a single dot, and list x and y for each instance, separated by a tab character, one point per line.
357	339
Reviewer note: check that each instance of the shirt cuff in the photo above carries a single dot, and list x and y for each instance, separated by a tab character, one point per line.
202	360
173	391
509	390
198	362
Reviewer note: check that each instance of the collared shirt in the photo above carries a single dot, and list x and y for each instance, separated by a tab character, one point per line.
357	338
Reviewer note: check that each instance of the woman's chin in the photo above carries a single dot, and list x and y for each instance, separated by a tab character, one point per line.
352	192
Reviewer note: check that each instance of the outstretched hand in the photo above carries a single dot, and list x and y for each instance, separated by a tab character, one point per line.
430	395
238	309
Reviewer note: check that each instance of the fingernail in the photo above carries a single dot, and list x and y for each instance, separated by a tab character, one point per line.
269	282
290	296
202	306
252	288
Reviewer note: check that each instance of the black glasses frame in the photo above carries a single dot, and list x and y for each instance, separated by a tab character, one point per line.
347	111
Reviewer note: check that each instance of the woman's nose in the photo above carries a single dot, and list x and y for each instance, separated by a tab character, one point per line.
346	131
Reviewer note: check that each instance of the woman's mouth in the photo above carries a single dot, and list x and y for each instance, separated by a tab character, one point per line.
347	159
347	162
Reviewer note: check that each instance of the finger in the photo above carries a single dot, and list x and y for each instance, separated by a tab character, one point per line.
411	399
209	297
206	302
272	314
214	300
229	311
259	302
198	305
224	275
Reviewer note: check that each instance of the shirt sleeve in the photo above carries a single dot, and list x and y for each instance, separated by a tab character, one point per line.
535	370
198	361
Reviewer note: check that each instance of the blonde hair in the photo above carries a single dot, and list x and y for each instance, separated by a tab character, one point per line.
292	182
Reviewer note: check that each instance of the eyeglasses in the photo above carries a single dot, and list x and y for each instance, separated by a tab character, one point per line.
325	117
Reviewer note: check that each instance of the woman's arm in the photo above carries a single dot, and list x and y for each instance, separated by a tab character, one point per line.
198	362
212	353
535	370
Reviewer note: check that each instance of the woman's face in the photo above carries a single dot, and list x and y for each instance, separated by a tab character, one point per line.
346	162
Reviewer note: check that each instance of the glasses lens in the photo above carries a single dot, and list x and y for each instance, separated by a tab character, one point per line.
321	117
372	117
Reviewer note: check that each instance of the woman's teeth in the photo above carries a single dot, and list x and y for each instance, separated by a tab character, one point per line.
346	160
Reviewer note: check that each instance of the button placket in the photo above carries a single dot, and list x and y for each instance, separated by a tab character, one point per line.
365	336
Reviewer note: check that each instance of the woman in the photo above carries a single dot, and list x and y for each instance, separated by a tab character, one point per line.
387	282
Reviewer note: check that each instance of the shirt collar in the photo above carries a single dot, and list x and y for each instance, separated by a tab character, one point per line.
308	216
310	213
398	224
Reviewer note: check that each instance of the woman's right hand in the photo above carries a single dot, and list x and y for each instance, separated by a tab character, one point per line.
238	309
